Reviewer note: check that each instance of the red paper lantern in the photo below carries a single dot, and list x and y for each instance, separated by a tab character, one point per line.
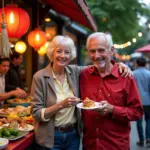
17	20
37	38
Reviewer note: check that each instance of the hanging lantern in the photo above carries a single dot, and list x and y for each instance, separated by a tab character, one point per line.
20	47
17	21
37	38
43	49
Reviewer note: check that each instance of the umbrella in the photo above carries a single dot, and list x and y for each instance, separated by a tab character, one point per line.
136	55
144	49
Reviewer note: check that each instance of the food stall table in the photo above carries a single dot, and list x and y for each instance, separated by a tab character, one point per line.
22	143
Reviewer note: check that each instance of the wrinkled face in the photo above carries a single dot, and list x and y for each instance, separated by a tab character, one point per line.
99	52
18	61
4	67
61	56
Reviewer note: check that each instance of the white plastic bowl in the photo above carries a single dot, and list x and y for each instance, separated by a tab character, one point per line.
3	143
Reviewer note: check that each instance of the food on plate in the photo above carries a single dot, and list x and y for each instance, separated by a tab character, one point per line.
29	119
7	132
23	125
13	124
18	111
20	108
88	102
19	100
12	116
13	131
3	121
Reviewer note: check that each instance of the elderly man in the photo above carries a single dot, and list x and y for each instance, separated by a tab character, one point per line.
107	127
4	67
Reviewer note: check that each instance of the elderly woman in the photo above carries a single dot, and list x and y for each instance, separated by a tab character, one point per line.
54	93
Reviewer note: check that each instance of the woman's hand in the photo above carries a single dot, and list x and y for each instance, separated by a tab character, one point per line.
69	102
125	70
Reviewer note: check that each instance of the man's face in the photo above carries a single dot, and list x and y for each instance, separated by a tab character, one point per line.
18	61
4	67
99	52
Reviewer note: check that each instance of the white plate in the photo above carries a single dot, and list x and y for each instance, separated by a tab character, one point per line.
29	128
20	135
97	105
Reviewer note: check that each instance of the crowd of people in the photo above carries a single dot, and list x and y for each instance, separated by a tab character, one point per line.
57	88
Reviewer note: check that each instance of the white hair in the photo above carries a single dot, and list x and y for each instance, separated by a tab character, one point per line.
107	36
63	41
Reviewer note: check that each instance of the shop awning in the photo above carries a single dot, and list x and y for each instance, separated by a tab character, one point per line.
76	10
144	49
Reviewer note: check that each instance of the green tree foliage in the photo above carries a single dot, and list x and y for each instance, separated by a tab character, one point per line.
120	17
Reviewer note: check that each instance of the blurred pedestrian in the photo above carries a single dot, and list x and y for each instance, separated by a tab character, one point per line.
142	77
12	78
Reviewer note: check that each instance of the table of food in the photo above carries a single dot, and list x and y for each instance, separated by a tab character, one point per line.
16	122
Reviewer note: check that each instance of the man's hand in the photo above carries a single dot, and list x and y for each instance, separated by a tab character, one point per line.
105	109
125	70
20	93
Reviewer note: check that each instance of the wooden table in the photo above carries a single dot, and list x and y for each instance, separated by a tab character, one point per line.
22	143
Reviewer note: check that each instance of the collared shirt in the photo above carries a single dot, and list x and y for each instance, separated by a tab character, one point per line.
65	115
109	132
2	87
2	83
142	77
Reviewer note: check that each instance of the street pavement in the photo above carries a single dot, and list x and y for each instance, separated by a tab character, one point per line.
134	138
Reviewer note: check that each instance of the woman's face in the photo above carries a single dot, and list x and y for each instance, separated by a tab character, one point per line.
61	56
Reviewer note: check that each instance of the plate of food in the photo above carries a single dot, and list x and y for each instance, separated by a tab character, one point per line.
20	135
20	125
18	101
12	133
27	127
89	104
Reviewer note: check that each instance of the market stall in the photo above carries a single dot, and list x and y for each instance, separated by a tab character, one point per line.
17	124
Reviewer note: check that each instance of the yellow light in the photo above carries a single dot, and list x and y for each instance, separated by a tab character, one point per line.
129	43
149	25
47	19
43	49
128	57
140	34
47	34
134	40
37	38
12	18
20	47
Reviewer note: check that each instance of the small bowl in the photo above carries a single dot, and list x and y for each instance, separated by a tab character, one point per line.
3	143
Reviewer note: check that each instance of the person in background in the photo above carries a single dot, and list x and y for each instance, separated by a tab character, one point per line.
4	67
142	77
107	127
12	78
54	94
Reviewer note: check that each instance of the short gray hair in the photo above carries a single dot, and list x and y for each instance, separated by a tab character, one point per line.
107	36
64	41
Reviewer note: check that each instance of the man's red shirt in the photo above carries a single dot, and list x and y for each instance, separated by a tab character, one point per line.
109	132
